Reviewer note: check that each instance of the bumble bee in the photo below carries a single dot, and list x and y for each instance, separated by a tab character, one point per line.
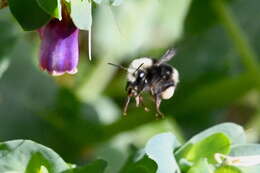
146	74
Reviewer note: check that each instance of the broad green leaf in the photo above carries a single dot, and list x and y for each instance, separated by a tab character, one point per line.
234	132
206	148
28	14
228	169
202	166
81	14
160	149
52	7
21	156
97	166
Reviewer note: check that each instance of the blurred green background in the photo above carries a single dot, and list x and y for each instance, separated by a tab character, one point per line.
80	116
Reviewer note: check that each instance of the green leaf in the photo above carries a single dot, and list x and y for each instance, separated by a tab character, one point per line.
28	14
201	166
81	14
228	169
52	7
28	156
37	162
160	149
144	165
206	148
97	166
234	132
138	161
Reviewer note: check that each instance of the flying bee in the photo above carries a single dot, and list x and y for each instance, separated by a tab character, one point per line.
146	74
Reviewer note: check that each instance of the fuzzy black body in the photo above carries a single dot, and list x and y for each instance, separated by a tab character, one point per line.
159	78
153	76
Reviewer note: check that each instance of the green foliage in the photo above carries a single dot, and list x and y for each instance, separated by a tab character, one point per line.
27	156
215	57
38	162
160	149
97	166
143	165
227	169
195	156
202	166
158	156
233	131
206	148
29	14
52	7
81	13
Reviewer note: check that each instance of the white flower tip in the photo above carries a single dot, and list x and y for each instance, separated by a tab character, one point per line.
55	73
74	71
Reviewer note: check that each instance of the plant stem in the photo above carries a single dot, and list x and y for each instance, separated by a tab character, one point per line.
237	36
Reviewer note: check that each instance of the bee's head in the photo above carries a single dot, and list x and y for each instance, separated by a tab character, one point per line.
135	87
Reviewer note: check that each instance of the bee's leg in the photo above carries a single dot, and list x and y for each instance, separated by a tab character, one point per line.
158	101
126	105
143	105
137	100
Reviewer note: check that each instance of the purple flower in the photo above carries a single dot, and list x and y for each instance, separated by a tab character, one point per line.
59	51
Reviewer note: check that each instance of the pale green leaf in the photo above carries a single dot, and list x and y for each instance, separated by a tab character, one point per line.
81	14
160	149
22	156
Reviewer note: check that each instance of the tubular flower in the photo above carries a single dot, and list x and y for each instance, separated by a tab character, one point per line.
59	50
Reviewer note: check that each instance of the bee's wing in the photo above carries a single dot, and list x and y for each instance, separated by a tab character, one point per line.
167	56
